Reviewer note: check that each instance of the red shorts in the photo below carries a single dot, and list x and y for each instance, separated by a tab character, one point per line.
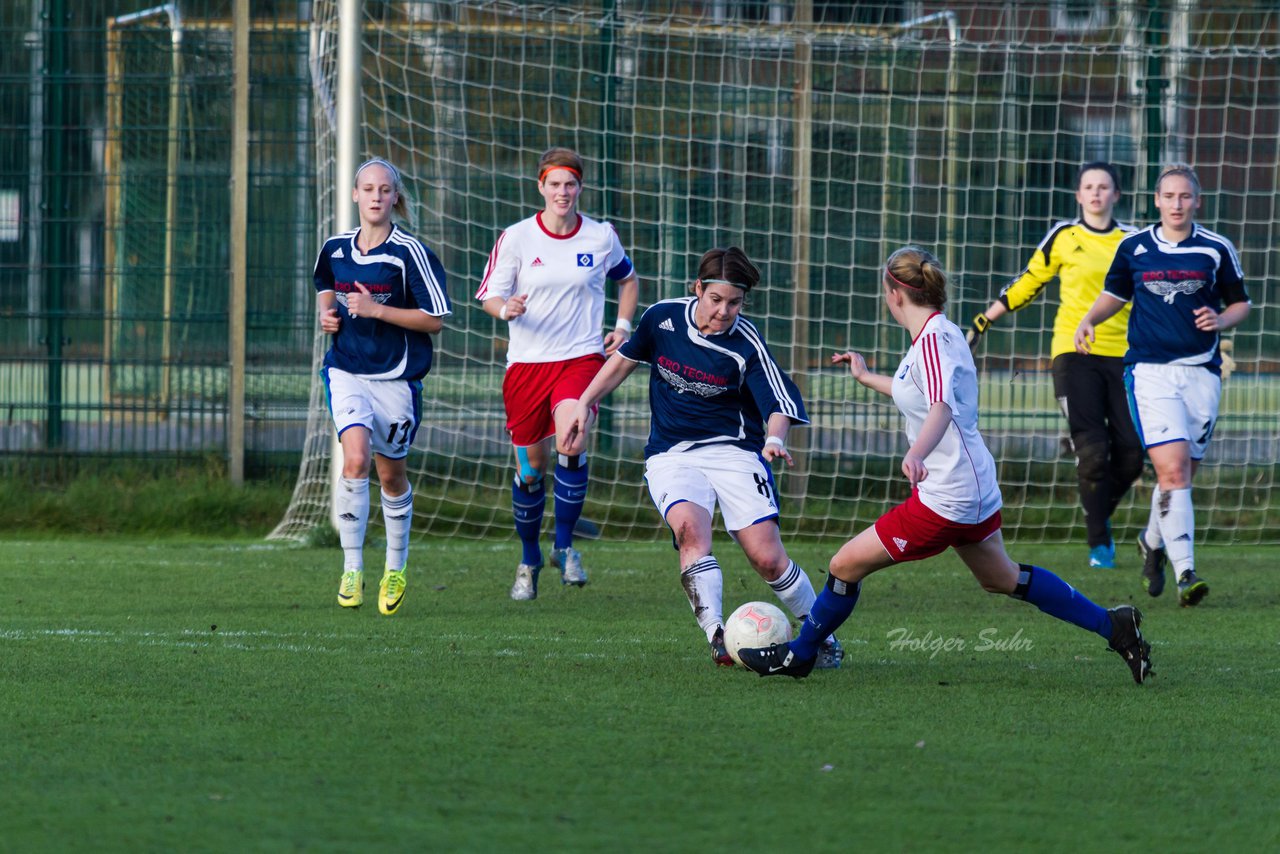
531	391
911	531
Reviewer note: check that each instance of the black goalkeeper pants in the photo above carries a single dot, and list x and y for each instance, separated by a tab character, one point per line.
1109	455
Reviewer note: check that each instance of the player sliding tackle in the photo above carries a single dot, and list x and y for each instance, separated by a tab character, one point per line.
712	386
955	500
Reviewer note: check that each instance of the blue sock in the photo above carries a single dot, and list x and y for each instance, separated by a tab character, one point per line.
832	607
1057	598
528	501
571	492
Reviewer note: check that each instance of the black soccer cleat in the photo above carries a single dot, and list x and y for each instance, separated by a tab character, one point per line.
1127	640
776	660
1153	561
719	652
1191	589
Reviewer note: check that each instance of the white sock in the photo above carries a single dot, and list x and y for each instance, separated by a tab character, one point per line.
352	503
704	586
794	590
1152	533
397	515
1178	527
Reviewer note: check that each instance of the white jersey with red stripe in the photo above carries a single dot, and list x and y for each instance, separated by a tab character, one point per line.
961	483
563	277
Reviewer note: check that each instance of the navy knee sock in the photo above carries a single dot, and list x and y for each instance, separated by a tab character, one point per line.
528	501
571	492
1057	598
832	607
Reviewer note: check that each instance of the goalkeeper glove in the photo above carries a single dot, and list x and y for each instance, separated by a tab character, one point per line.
1226	347
981	323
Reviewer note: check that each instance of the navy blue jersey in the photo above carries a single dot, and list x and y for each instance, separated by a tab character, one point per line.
708	389
1167	282
401	273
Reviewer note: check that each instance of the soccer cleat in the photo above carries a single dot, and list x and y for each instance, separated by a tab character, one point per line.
1153	561
391	591
1103	556
351	589
1127	640
776	660
526	585
719	652
1191	589
569	562
830	654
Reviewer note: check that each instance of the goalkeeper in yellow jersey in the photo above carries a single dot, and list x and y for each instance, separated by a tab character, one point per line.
1090	388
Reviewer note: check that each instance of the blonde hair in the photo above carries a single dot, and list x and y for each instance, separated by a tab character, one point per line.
401	207
918	274
1179	170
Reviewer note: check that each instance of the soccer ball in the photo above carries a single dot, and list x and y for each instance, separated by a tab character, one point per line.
755	624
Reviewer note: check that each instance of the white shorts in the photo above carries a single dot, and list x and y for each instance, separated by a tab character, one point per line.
739	480
1173	403
389	409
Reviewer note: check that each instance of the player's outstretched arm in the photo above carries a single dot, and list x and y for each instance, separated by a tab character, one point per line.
859	371
982	322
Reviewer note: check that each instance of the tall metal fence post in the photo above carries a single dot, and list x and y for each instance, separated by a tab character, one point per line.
237	302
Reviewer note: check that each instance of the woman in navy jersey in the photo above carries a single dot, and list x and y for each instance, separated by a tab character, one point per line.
381	295
954	501
721	408
1178	276
546	279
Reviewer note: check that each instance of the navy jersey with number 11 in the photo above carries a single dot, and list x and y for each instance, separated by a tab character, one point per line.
708	389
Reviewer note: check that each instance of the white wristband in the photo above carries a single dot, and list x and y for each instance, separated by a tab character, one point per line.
776	442
623	324
502	312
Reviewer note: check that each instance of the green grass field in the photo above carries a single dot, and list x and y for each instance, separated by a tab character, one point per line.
168	694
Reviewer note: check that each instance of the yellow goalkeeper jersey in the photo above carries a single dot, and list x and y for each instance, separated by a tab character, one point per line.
1080	257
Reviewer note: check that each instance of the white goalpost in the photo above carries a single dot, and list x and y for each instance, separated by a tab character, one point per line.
819	147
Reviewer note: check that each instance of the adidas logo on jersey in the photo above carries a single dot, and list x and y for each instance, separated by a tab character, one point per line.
338	254
1140	250
900	543
537	262
667	325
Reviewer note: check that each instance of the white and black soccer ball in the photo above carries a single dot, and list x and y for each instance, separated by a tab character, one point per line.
755	624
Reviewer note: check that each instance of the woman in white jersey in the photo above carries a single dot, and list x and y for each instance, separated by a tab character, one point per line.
381	295
721	408
955	500
546	279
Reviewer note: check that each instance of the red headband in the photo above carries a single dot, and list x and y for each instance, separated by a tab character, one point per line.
900	282
552	168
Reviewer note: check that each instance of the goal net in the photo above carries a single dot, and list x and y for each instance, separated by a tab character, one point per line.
819	147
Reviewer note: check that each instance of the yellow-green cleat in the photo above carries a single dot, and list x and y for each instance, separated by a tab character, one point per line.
351	589
391	591
1191	589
